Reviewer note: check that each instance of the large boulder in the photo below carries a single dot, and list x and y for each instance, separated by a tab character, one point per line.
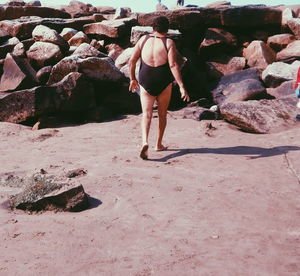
78	39
286	89
23	27
264	116
43	53
45	34
225	65
79	9
279	72
111	28
17	74
291	52
7	13
8	46
239	86
259	55
72	93
45	193
280	41
101	69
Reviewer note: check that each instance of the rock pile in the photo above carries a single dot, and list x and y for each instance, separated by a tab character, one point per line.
75	59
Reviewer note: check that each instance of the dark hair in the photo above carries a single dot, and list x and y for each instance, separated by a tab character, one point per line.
161	24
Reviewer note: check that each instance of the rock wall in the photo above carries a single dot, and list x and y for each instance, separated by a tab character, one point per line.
234	53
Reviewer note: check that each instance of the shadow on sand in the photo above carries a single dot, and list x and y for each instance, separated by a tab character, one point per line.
254	152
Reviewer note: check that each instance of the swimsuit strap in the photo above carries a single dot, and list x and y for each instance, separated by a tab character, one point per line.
145	40
164	40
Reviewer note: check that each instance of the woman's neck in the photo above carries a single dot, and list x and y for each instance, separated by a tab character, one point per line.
157	34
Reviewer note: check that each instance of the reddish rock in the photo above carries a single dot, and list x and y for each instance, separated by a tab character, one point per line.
43	53
34	3
259	55
122	13
123	59
280	41
17	74
16	3
98	17
19	50
219	4
17	12
106	10
79	9
286	89
8	46
43	74
68	33
78	39
114	50
291	52
225	65
294	25
86	50
111	28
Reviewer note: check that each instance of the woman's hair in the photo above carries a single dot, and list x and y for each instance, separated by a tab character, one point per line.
161	24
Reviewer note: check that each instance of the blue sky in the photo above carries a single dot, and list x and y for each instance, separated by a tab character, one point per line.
149	5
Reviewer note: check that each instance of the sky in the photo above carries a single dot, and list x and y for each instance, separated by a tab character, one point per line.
149	5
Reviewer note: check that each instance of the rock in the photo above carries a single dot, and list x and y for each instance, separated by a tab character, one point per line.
123	59
98	17
76	173
111	28
34	3
45	34
19	50
4	36
101	69
8	46
264	116
287	14
43	74
106	10
86	50
198	113
16	3
279	72
161	7
290	53
79	9
280	41
225	65
17	74
217	41
122	13
24	26
8	13
73	93
43	53
286	89
294	26
45	193
68	33
114	50
98	44
78	39
137	32
230	84
259	55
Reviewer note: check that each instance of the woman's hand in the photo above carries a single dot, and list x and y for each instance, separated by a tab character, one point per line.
134	86
184	94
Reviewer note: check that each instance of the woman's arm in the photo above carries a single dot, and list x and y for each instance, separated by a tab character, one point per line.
134	85
175	69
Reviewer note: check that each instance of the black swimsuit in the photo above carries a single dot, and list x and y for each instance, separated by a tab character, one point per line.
155	79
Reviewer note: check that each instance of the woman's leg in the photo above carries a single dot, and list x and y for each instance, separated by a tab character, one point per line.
147	102
163	101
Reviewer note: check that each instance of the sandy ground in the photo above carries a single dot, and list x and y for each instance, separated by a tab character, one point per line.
218	202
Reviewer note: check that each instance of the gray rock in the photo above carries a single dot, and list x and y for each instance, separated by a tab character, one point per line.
280	41
264	116
286	89
43	53
114	50
102	69
17	74
19	50
279	72
86	50
68	33
8	46
122	13
34	3
45	193
45	34
294	26
291	52
124	58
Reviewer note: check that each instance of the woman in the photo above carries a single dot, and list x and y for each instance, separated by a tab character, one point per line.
157	72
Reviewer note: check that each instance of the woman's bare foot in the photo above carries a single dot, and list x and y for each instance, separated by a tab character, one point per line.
160	148
144	152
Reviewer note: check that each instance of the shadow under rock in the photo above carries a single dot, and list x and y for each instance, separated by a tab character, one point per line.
254	152
93	202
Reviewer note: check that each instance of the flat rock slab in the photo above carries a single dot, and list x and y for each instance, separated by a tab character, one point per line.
44	193
264	116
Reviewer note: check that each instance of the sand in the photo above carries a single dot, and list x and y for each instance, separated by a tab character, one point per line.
218	202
